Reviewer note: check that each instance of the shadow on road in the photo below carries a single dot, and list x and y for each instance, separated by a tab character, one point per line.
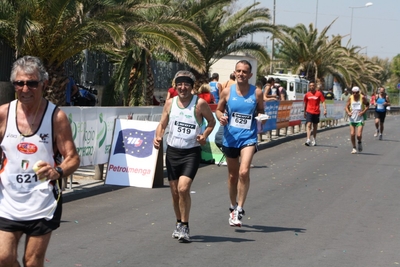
268	229
214	239
89	192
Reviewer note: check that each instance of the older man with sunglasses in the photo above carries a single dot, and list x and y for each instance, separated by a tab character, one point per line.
33	132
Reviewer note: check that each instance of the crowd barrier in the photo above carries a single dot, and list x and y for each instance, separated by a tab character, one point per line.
92	127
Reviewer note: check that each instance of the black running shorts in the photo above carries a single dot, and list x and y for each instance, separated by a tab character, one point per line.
35	227
381	116
182	162
313	118
234	152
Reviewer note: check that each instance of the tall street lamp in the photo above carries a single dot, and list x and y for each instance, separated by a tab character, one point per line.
352	9
273	41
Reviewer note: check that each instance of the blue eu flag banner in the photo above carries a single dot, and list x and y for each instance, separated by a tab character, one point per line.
134	142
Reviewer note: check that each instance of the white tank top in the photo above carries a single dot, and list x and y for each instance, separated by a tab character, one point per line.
356	107
183	125
23	196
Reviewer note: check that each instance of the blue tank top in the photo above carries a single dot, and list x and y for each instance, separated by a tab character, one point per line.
241	129
214	90
379	104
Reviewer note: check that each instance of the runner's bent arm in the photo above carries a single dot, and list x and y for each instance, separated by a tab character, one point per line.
387	101
219	112
347	106
64	144
163	123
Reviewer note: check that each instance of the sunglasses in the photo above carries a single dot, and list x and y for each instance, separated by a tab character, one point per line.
356	92
29	84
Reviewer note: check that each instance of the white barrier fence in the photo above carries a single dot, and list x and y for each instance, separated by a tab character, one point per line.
92	128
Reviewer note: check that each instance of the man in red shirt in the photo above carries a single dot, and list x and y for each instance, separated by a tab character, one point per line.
312	99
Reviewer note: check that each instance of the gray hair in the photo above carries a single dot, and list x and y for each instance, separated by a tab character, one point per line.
185	73
29	65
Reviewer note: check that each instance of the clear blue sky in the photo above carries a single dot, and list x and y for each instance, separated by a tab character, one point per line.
375	27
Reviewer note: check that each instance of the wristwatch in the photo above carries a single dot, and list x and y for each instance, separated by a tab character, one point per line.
59	171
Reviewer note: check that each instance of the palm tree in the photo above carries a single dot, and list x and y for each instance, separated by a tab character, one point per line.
305	50
316	55
152	31
225	31
57	30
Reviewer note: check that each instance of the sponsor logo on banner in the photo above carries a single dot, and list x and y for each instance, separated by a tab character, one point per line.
135	143
73	127
101	136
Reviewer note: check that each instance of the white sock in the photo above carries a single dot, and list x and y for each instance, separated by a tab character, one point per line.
239	209
233	207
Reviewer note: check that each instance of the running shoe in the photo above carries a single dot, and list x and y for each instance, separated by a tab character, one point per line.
376	133
230	209
354	151
235	218
184	234
360	148
313	142
380	137
175	233
308	142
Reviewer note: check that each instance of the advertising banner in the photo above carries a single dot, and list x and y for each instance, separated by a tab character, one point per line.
211	152
296	113
271	109
282	119
133	157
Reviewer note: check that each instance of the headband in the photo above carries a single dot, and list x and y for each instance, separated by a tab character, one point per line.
184	79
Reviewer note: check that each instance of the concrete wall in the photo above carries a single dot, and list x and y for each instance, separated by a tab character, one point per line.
225	66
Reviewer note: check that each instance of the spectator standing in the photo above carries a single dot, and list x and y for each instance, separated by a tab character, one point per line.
282	93
268	95
356	107
373	96
184	116
171	91
382	102
204	93
215	87
30	199
236	111
232	80
344	97
329	95
70	91
273	92
312	100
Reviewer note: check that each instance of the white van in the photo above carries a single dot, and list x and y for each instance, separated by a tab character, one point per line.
296	86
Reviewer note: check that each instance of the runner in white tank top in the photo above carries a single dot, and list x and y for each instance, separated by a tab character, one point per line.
31	129
184	114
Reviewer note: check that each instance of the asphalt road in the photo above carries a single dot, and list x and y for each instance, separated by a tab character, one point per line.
307	206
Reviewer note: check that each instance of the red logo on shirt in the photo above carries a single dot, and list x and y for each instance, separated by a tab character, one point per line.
27	148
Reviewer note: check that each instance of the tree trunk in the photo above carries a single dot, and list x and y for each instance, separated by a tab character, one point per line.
201	78
7	92
149	85
57	85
